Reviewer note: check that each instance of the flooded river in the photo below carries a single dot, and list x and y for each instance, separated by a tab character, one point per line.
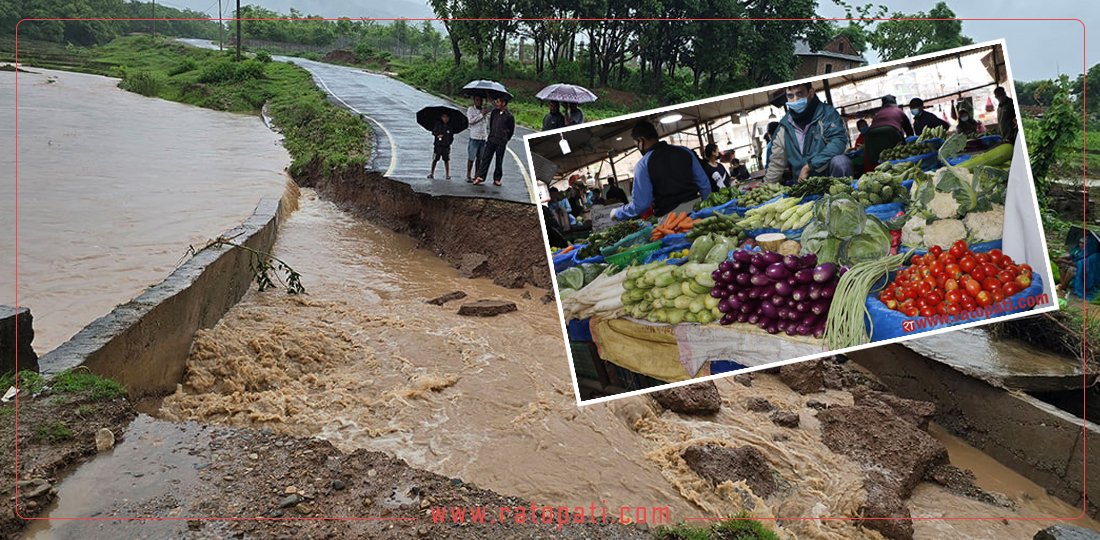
113	187
363	362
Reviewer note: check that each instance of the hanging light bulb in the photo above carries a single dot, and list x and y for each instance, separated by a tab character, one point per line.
564	144
771	114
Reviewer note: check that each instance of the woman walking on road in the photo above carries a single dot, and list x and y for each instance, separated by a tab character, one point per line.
502	125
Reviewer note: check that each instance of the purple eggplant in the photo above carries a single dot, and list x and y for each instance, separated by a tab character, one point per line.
820	308
741	295
777	271
824	273
749	307
772	257
819	328
779	300
809	260
718	291
727	319
743	279
725	277
725	266
753	270
828	290
768	310
792	263
802	307
804	276
753	318
783	289
792	329
730	288
782	325
843	270
815	291
742	256
801	294
759	261
760	280
724	306
733	304
742	317
772	327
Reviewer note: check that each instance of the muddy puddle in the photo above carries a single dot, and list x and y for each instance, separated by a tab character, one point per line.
113	187
363	362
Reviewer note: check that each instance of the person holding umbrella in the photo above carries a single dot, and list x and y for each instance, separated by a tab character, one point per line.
553	119
502	125
476	115
576	115
444	137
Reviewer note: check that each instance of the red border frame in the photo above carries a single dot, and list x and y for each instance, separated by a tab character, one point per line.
1084	102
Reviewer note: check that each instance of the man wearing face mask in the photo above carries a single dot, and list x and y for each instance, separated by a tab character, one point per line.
922	118
861	127
669	178
892	115
1006	115
967	124
811	139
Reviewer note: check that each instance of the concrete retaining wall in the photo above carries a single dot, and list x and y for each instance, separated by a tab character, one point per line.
16	335
1031	437
144	343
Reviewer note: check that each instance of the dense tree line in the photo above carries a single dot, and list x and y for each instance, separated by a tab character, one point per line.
97	32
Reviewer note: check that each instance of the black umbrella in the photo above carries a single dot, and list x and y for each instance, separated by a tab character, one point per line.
485	89
428	116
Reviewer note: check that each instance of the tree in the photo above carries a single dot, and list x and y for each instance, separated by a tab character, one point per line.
1056	133
901	38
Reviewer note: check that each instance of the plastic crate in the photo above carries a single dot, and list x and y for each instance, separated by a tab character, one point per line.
633	255
583	362
633	239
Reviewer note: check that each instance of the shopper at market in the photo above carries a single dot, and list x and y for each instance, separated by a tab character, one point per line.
769	134
810	140
892	115
738	170
923	119
967	124
502	125
1006	115
577	200
553	119
615	194
559	207
554	232
861	127
716	172
576	115
668	178
476	116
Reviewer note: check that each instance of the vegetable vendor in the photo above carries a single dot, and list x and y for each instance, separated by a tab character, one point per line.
1082	265
615	194
811	139
668	178
1006	115
967	124
922	118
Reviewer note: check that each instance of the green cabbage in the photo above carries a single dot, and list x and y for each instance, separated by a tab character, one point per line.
873	243
573	278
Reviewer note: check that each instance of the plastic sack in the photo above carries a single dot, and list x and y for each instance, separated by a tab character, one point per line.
565	261
578	330
591	260
958	159
675	239
983	247
662	254
927	162
885	323
991	140
724	366
634	239
725	208
885	212
795	234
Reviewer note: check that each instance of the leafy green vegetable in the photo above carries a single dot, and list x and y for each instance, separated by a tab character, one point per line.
572	278
873	243
844	217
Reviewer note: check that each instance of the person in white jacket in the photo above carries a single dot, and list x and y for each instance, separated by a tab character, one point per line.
477	115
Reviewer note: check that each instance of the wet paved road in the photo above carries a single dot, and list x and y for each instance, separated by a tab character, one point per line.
403	149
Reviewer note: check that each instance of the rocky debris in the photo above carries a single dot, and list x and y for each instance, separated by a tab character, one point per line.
718	464
511	280
817	405
759	404
804	377
526	295
440	300
486	308
961	482
699	398
104	440
744	378
1066	532
881	503
548	298
473	265
913	411
35	487
290	500
785	419
892	451
10	342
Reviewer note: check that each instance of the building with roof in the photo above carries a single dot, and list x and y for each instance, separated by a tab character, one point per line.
837	55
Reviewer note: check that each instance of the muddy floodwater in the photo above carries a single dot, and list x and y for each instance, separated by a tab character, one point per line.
363	362
113	187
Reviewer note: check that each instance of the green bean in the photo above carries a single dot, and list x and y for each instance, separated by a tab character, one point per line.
845	325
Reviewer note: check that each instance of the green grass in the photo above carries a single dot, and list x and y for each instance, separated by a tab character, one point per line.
53	431
316	132
81	381
29	382
733	529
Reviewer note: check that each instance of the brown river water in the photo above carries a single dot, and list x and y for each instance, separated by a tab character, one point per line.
113	187
361	360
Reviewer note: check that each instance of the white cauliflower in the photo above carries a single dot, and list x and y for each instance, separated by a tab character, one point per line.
944	232
944	205
986	226
912	233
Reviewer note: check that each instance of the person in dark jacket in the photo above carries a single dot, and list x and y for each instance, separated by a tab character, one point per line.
442	146
738	170
810	141
615	194
502	125
1006	115
923	119
716	172
892	115
668	178
553	119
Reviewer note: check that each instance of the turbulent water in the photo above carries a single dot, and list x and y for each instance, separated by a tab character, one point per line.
113	187
364	362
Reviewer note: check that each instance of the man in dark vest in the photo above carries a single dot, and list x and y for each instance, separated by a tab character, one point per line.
668	178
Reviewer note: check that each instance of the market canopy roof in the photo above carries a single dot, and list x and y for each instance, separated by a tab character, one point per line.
594	143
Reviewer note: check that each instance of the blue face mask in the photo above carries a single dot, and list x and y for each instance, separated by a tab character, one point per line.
863	130
914	112
797	106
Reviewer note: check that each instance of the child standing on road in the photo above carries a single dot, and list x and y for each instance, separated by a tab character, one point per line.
442	146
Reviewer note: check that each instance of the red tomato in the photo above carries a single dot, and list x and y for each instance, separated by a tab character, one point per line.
1025	269
922	303
952	270
991	284
983	257
977	273
1012	270
927	311
911	311
958	249
973	287
888	294
892	304
1010	288
998	296
966	264
996	254
984	299
969	303
914	261
990	269
935	251
950	284
937	268
923	288
1004	276
941	309
953	309
945	258
954	297
933	298
1023	281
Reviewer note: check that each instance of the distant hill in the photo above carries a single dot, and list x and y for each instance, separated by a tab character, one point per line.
334	8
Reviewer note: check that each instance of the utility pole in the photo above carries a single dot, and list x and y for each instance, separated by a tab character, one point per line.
238	30
221	28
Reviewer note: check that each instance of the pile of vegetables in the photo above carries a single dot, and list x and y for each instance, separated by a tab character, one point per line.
784	214
879	188
573	279
717	198
664	293
818	185
603	297
711	248
845	325
953	281
778	293
841	231
932	133
957	203
673	224
906	150
760	195
680	254
605	238
906	170
716	224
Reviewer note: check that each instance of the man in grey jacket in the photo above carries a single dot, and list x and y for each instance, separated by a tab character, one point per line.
477	117
502	125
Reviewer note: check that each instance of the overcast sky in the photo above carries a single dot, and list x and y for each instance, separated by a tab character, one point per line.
1036	49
